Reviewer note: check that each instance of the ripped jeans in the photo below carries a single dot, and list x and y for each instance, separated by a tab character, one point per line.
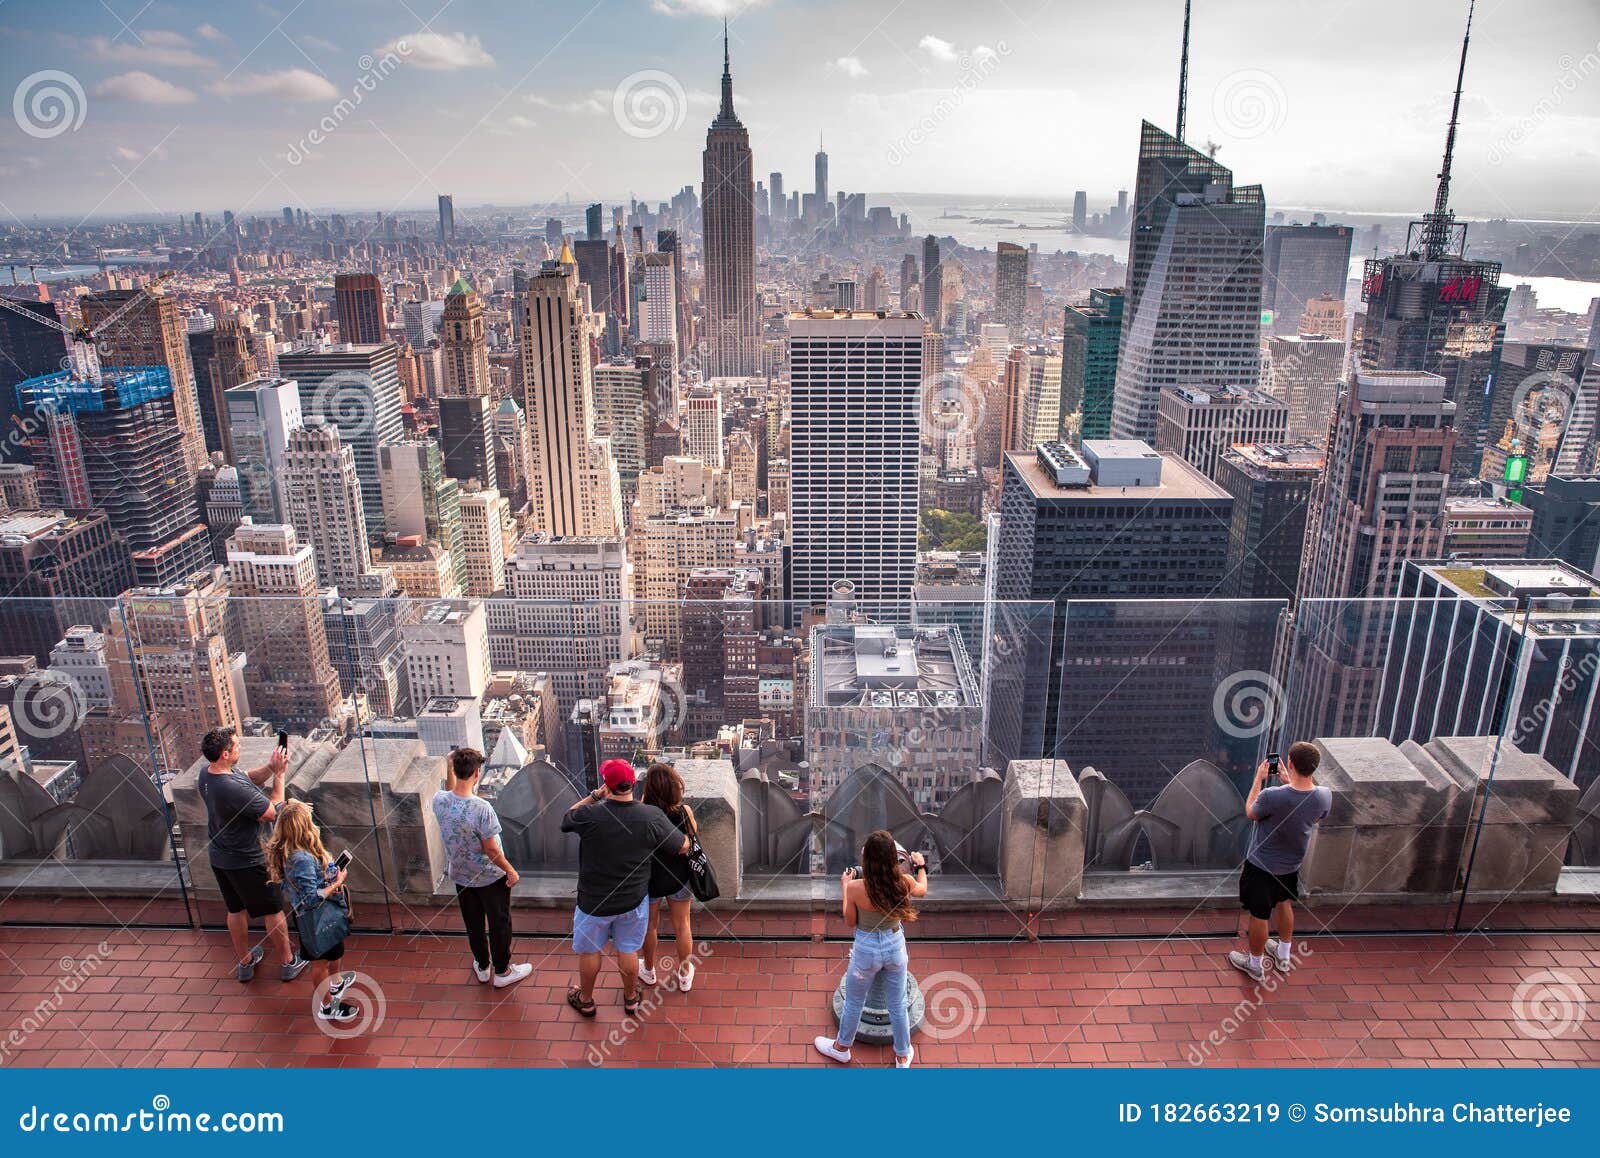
882	951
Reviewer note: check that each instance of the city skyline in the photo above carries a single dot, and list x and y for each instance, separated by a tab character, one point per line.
480	103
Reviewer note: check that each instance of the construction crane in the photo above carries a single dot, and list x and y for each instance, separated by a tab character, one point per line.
81	338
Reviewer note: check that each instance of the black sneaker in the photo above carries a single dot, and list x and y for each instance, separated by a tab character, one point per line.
293	969
340	984
338	1011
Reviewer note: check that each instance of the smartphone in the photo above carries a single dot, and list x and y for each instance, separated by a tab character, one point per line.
283	740
1272	768
342	861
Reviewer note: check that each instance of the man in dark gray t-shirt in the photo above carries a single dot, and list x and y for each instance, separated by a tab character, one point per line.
1269	883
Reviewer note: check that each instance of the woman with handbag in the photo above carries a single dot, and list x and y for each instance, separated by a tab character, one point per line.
671	878
314	888
877	903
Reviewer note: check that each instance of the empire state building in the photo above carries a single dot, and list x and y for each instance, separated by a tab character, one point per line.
733	316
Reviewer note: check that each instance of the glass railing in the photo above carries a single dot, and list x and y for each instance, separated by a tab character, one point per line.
1059	765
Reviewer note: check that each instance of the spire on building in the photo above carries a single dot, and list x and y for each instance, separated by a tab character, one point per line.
726	113
566	257
1183	74
1437	227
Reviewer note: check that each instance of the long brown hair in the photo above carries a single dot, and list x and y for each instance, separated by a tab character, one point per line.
663	787
294	832
887	887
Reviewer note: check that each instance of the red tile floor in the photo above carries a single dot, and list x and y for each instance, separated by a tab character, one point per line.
82	997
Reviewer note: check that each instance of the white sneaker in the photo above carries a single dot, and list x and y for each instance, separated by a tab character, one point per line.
1241	962
686	976
648	976
481	973
904	1063
512	975
826	1048
1276	957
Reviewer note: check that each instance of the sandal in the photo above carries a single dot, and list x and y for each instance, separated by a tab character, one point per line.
630	1005
575	999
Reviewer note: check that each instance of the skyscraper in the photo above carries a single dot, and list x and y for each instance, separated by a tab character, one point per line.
323	501
358	304
447	217
466	433
1380	501
1010	285
1193	311
780	204
822	180
463	350
1089	343
222	360
932	283
272	577
573	486
27	350
1299	263
357	388
58	568
118	445
855	395
1199	423
1126	543
1080	210
261	415
151	333
1306	371
1431	309
484	515
733	315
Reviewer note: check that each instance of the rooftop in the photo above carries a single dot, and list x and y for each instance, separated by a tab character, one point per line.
167	998
1179	480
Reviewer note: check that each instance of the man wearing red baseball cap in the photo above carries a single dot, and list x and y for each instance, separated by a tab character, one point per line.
617	838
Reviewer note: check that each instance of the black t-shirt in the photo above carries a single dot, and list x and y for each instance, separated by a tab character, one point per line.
233	819
616	844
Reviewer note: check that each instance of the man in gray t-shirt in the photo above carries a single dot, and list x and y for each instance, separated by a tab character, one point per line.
1269	883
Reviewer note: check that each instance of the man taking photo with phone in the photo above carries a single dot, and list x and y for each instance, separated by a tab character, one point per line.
236	808
1285	816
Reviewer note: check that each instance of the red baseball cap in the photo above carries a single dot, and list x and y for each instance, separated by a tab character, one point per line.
617	774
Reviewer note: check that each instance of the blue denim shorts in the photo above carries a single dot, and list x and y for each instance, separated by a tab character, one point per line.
682	894
625	930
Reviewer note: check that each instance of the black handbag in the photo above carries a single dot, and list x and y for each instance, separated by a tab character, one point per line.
702	877
322	925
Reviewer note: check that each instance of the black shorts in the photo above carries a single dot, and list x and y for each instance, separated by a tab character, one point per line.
247	890
1260	891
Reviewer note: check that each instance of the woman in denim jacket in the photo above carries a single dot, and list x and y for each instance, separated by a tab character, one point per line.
297	861
877	903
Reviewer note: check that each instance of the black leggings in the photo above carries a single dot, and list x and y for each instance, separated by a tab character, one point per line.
486	911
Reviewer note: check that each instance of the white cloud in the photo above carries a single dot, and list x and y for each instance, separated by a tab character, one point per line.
718	8
851	66
589	104
938	49
518	121
318	44
144	89
294	84
210	32
440	51
123	153
166	49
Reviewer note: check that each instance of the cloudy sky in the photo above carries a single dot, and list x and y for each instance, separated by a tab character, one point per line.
125	107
